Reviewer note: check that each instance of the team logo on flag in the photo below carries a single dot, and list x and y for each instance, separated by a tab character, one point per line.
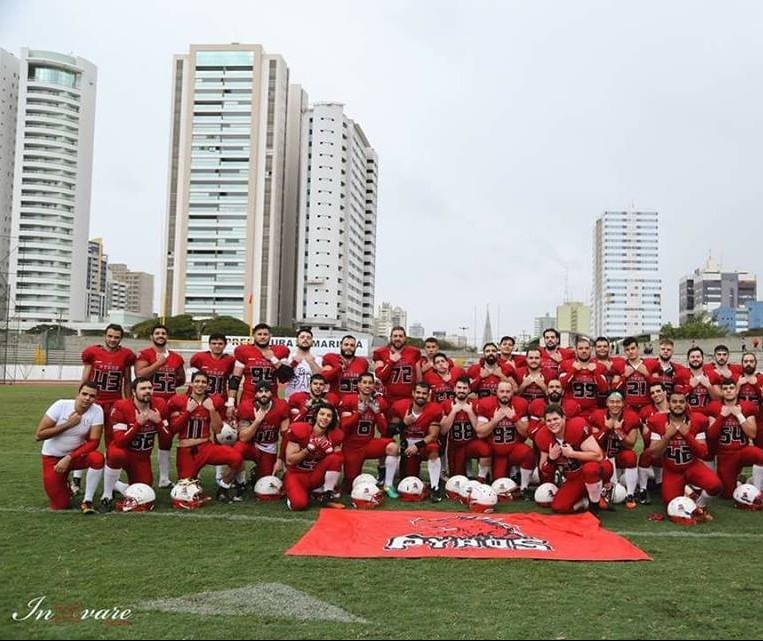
462	531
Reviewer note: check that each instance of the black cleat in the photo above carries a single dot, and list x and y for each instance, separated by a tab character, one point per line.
75	485
435	494
222	494
642	496
106	505
87	507
239	491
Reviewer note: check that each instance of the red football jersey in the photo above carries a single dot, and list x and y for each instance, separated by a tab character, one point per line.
166	377
608	439
505	432
725	433
124	411
430	413
679	453
258	368
302	405
400	377
266	436
576	431
199	422
583	385
488	386
442	388
108	370
343	375
300	433
217	369
461	431
362	426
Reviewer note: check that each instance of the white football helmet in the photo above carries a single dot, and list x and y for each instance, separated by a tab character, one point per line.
467	489
483	499
748	497
505	488
545	494
268	488
227	435
411	489
363	478
138	497
682	510
187	494
619	492
453	486
366	496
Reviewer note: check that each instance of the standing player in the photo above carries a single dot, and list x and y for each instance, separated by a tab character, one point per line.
551	356
506	345
216	364
260	362
108	366
71	431
303	362
635	379
486	373
442	377
583	378
396	366
166	369
343	370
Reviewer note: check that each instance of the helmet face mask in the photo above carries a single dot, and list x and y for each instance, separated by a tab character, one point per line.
138	497
363	478
683	510
227	435
188	495
366	496
453	486
506	489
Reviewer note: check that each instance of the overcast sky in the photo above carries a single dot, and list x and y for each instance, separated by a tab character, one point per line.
503	130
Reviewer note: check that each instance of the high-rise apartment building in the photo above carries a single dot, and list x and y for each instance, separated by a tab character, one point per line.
627	288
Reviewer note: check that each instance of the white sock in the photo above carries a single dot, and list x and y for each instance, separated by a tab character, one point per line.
631	478
92	481
241	476
121	486
613	478
643	477
164	467
110	477
703	499
657	475
524	478
329	483
219	470
594	491
390	468
482	471
757	476
78	474
434	467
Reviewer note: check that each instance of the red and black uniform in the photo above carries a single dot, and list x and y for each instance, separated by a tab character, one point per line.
613	367
197	425
415	433
463	443
583	385
130	448
507	445
698	397
442	388
360	422
302	405
682	459
218	370
727	440
107	370
577	474
670	374
488	386
257	368
635	389
552	366
263	447
610	441
344	374
398	377
310	473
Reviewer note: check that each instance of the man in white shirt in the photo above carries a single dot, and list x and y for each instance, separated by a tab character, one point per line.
71	431
304	363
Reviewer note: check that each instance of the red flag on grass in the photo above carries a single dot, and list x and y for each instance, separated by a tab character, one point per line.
370	534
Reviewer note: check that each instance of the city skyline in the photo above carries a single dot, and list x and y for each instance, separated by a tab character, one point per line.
559	116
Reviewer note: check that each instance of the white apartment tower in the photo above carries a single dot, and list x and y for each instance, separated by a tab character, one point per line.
47	252
9	96
227	181
627	288
337	224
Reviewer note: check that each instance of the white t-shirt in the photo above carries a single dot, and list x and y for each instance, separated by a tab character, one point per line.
300	382
68	441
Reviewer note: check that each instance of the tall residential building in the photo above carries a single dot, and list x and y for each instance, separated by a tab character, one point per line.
573	317
138	291
97	279
710	288
388	317
627	289
9	97
337	240
542	323
52	171
416	330
227	183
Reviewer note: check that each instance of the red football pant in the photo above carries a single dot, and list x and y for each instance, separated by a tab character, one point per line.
299	484
357	452
696	473
574	487
461	451
505	456
730	464
411	465
136	464
108	431
190	460
266	462
57	485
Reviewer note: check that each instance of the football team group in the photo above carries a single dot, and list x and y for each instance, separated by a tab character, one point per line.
566	420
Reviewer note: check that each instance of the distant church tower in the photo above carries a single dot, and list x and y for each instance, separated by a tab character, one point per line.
487	334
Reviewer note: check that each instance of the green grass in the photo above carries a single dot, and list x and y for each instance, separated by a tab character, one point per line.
698	586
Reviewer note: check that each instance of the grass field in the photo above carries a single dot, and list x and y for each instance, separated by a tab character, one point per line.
704	582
